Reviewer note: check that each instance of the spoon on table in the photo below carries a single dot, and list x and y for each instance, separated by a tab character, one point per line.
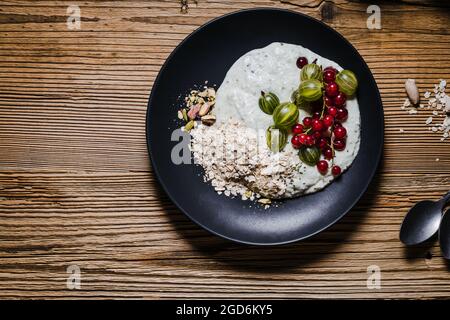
444	234
422	221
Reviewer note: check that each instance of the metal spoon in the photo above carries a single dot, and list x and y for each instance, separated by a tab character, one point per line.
444	234
422	221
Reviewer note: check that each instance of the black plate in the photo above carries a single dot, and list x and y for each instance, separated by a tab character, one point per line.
207	54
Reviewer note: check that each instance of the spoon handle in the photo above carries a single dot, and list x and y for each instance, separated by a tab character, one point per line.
446	198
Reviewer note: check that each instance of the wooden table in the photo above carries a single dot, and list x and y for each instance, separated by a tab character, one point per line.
76	186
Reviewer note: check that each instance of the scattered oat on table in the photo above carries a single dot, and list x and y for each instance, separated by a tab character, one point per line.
439	104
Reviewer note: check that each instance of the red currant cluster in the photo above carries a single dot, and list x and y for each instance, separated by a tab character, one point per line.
324	129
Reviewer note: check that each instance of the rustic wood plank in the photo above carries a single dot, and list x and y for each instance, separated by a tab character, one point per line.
129	239
76	186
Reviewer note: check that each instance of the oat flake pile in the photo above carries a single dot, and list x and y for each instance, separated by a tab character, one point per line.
242	163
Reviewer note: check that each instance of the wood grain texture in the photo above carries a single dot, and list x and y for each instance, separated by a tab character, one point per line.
76	186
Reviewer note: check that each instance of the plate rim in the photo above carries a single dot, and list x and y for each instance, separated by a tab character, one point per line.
149	139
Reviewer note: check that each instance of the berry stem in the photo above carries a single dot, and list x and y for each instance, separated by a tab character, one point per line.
323	109
332	145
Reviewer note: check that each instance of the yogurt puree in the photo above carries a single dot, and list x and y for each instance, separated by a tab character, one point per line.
273	69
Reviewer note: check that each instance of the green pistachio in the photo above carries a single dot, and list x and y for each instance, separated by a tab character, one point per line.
189	126
347	82
285	115
184	114
268	102
310	90
309	155
311	71
276	138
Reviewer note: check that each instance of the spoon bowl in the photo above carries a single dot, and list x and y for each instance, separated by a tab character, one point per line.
421	222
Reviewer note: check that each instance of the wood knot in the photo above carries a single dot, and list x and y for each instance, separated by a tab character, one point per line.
328	11
185	5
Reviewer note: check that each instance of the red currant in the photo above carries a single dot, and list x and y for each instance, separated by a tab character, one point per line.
339	144
330	68
296	143
328	121
302	138
326	133
297	129
340	99
316	115
339	132
342	114
307	121
322	166
332	111
317	135
336	171
310	141
327	153
317	125
337	124
329	75
322	143
331	89
328	101
301	62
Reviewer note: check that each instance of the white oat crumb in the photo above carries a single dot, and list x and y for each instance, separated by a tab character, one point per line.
439	103
406	103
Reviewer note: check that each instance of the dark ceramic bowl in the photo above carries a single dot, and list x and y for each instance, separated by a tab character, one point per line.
207	54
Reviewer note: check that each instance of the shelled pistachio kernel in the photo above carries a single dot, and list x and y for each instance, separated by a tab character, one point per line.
208	119
188	127
185	116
